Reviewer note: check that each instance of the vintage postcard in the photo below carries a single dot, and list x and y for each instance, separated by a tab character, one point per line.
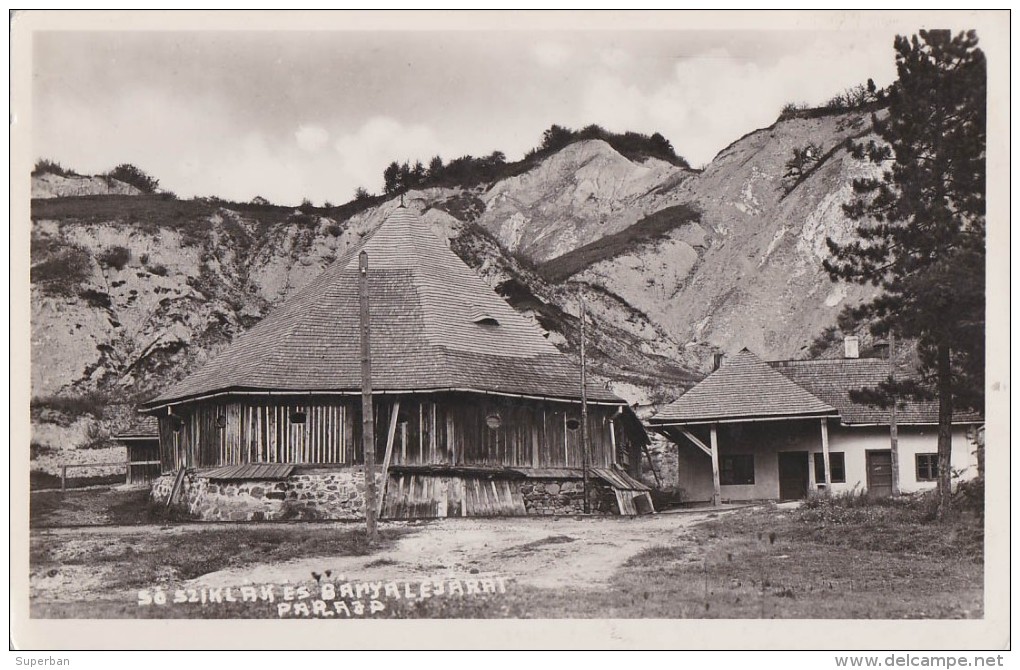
623	329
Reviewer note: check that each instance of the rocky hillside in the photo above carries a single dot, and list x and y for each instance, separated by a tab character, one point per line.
746	271
580	194
130	292
49	185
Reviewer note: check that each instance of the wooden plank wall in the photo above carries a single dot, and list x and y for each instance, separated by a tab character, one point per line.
418	496
452	431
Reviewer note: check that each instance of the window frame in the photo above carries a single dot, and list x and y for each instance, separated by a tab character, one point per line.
932	466
725	480
819	463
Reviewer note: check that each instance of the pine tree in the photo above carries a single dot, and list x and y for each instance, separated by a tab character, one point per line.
921	226
391	178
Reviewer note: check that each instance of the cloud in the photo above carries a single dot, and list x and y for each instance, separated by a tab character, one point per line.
710	99
311	138
366	152
550	54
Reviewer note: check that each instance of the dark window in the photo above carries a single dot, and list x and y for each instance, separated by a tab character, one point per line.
837	467
736	469
927	467
298	417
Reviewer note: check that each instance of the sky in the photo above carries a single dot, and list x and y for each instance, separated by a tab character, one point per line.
295	115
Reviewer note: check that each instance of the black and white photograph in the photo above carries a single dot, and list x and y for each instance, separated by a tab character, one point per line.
651	317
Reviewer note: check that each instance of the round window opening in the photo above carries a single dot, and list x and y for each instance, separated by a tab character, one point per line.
493	421
221	421
573	424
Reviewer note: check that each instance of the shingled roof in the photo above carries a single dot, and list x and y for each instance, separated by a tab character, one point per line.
425	304
744	387
832	380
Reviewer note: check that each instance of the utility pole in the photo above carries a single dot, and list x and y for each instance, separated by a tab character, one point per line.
367	418
584	408
894	446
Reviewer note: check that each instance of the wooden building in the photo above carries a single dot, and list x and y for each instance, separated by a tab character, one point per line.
476	412
141	440
756	430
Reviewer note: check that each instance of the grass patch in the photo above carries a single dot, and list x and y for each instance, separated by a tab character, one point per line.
59	269
93	403
98	506
649	229
552	539
763	563
148	557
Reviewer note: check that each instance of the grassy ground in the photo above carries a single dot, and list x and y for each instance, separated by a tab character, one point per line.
843	558
86	574
830	561
92	507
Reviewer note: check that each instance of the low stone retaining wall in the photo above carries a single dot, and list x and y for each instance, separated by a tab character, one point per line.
544	497
339	494
313	494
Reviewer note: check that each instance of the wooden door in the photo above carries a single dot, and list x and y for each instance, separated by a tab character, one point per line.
879	472
793	475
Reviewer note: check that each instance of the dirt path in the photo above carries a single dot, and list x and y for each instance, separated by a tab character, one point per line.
549	553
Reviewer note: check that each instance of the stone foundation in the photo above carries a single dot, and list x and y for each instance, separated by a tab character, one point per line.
339	494
543	497
312	494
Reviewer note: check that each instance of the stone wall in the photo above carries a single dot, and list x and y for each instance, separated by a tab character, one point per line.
340	495
313	494
564	497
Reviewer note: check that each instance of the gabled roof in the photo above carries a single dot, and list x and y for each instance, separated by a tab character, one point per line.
423	302
832	380
744	387
141	428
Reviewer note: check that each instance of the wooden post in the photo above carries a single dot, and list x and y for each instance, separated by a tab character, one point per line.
390	434
894	442
825	454
716	488
367	418
63	478
584	412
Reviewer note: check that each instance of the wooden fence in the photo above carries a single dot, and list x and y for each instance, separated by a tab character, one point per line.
127	465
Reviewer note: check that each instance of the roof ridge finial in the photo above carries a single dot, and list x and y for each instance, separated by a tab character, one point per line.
402	200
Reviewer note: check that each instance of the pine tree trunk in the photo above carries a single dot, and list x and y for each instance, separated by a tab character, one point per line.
945	492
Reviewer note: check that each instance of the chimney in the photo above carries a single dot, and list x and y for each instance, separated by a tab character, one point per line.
716	361
851	347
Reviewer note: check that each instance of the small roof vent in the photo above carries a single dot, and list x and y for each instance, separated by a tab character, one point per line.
484	319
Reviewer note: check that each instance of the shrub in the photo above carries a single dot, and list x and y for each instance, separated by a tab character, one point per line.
97	299
115	257
63	270
91	402
46	166
129	174
37	449
334	229
828	337
159	269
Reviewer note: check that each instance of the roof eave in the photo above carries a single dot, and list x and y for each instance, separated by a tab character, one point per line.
666	423
165	403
